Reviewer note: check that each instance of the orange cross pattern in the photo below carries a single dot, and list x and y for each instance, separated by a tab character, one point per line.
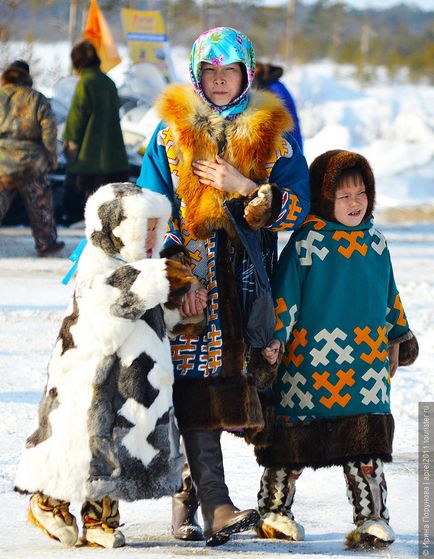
213	306
363	336
322	381
279	309
351	237
184	353
319	223
401	321
299	339
293	212
214	350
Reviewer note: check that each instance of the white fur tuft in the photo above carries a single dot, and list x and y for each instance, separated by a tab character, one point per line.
281	526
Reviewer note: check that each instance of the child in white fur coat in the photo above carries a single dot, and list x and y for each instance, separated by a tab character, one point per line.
106	425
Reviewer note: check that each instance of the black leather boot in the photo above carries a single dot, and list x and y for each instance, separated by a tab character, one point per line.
221	518
184	507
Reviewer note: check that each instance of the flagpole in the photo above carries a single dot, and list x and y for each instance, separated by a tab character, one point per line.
72	21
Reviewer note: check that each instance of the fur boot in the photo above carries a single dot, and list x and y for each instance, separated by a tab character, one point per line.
275	499
101	522
367	493
53	517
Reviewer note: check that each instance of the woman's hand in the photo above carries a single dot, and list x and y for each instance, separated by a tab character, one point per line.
393	358
223	176
194	301
271	353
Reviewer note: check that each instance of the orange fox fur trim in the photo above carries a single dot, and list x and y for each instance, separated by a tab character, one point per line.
249	142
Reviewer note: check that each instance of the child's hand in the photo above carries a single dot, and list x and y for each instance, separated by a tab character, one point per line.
194	301
271	353
393	358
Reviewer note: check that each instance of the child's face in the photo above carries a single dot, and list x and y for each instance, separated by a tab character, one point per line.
221	84
351	201
151	231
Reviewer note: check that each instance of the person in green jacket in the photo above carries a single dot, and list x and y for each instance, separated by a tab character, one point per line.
94	145
343	331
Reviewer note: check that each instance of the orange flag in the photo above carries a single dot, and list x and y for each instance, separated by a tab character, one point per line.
98	33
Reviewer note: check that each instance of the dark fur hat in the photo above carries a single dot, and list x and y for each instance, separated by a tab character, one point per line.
266	74
325	172
18	72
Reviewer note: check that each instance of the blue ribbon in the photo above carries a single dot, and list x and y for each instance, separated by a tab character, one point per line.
74	257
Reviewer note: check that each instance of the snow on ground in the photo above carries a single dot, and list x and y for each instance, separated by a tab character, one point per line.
394	128
32	302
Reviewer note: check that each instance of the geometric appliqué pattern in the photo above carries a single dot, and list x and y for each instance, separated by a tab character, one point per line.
380	245
363	336
345	378
353	246
379	387
305	398
309	249
330	338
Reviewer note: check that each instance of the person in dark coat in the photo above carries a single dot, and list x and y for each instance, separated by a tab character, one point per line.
267	76
28	142
94	145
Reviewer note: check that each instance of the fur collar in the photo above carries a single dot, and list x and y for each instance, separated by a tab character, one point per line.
247	143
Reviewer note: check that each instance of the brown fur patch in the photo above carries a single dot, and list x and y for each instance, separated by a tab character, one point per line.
408	351
219	404
230	312
328	442
65	335
199	133
263	373
180	280
48	403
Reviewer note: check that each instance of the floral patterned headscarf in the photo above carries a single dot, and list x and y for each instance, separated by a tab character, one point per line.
222	46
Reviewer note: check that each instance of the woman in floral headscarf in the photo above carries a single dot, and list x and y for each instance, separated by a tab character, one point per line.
218	141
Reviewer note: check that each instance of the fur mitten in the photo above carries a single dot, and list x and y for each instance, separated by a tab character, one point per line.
180	280
187	326
263	373
408	351
263	206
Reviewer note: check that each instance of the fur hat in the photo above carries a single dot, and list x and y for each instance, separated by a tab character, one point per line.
266	74
116	217
18	72
325	172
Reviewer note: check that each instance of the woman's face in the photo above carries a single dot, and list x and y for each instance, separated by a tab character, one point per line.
221	84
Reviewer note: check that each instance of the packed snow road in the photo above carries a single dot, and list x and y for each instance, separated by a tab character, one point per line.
32	302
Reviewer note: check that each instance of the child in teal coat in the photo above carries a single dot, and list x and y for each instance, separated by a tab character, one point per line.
343	332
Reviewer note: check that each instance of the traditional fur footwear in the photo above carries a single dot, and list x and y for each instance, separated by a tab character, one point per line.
103	536
371	534
278	526
101	522
53	517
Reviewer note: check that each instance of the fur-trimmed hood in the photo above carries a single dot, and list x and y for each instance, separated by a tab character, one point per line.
325	171
116	220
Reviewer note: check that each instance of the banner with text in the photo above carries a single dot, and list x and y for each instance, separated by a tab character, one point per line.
147	39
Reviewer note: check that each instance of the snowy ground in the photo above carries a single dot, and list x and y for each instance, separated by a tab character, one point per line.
391	124
32	302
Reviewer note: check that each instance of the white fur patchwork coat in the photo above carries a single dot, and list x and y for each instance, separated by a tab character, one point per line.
106	423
